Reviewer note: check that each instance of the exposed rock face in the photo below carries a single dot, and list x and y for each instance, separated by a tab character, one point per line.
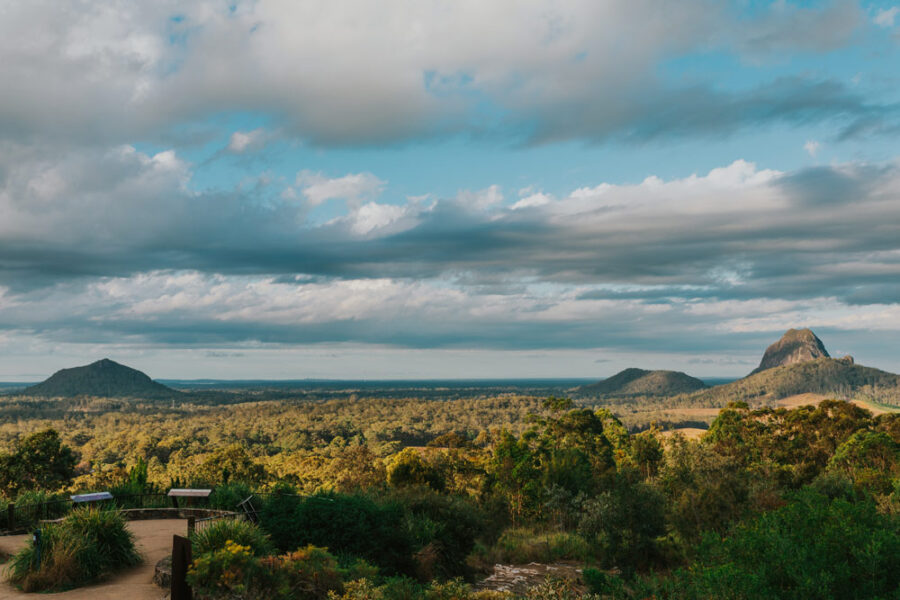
795	346
103	378
640	382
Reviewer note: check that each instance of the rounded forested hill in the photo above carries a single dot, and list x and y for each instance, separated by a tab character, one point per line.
105	378
640	382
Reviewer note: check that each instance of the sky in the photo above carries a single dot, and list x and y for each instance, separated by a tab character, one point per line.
351	189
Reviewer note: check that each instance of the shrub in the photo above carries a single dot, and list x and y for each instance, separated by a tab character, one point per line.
310	573
443	529
354	568
86	546
813	548
623	524
231	571
449	590
347	524
523	545
244	533
557	589
228	496
402	588
596	580
407	589
361	589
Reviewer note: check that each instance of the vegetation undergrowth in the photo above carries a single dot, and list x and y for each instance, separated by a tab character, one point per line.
86	546
769	503
308	573
523	545
215	536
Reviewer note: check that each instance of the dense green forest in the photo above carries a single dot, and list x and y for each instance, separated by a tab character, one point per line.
291	438
376	496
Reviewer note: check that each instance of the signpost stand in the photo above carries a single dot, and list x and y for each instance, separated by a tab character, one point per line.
176	493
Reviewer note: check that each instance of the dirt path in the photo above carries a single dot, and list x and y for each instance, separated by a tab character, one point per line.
154	541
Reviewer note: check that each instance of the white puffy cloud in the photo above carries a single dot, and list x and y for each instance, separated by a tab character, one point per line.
372	216
532	200
246	141
354	188
885	17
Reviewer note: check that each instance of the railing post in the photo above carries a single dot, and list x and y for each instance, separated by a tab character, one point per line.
192	524
11	515
181	562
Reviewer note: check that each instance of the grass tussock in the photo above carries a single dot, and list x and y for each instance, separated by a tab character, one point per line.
215	536
87	546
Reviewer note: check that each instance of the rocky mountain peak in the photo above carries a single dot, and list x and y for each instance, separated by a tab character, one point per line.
795	346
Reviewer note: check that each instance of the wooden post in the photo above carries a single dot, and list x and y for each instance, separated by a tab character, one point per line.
192	524
11	516
181	561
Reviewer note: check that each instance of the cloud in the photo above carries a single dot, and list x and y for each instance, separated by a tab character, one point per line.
812	147
247	141
116	245
885	17
373	216
319	70
736	231
353	188
787	27
530	200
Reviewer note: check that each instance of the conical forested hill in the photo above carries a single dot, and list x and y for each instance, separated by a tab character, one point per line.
104	378
640	382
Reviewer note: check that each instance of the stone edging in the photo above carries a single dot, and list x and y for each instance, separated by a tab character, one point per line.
147	514
162	575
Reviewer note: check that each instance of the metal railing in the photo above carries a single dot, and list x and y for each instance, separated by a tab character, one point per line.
24	516
195	524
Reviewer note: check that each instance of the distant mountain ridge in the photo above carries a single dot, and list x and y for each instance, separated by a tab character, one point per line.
104	378
795	346
641	382
818	376
798	363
